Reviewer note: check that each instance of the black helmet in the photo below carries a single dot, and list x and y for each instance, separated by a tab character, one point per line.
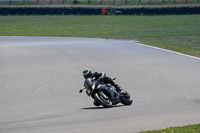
87	73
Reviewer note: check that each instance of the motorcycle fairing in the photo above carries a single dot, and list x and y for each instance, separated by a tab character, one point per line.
108	89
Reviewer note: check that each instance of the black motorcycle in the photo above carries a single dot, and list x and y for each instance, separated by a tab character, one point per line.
105	94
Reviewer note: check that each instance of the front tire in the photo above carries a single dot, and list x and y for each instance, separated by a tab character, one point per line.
103	101
96	103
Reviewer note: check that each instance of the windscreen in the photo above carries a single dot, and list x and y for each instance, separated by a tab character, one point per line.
88	83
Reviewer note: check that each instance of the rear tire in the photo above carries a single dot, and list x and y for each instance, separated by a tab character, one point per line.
126	101
104	102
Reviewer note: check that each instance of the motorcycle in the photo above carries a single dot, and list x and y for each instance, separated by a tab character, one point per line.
105	94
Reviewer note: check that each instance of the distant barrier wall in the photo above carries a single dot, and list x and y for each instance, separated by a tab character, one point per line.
97	11
162	11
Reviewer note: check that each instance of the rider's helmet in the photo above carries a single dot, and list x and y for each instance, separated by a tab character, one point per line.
87	73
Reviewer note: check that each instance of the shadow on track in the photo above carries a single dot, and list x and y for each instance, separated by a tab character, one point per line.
100	107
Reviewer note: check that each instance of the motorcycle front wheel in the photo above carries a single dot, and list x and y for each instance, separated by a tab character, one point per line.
102	99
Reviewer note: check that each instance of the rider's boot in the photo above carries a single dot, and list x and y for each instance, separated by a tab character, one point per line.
121	91
118	88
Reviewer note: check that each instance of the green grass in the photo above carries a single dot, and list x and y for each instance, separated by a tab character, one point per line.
185	129
179	33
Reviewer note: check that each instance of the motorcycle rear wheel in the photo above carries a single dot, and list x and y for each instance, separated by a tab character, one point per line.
126	101
101	100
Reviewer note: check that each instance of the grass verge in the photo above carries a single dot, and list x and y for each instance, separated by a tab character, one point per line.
178	33
184	129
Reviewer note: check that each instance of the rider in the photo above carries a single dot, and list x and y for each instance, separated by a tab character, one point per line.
101	76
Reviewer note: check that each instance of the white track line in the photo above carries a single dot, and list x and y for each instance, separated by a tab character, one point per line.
167	50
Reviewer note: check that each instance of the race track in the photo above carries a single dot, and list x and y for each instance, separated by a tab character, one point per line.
40	78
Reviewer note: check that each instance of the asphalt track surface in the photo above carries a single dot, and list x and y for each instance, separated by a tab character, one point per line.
40	78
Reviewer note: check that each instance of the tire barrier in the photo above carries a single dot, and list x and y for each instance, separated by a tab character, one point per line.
161	11
50	11
98	11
